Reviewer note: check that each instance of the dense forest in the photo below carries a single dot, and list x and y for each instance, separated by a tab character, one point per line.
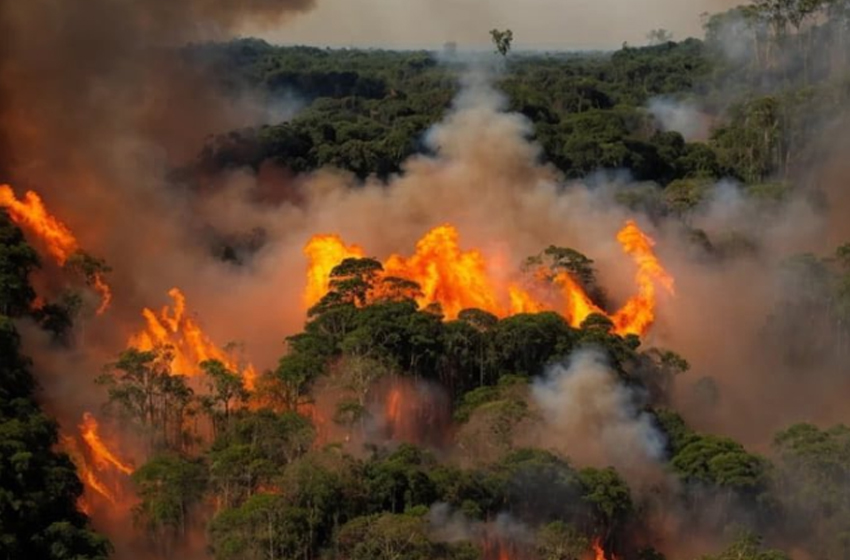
524	399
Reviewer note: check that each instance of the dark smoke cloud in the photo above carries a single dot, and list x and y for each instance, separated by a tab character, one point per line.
77	74
98	105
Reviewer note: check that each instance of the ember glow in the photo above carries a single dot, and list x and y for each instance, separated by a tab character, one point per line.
172	328
599	552
31	214
498	548
310	411
459	279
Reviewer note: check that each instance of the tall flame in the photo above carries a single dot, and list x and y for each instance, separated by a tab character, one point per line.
99	467
639	312
173	328
31	213
413	414
101	454
578	306
60	243
459	279
87	474
324	253
446	274
599	552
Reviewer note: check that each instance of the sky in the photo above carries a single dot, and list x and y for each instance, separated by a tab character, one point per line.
537	24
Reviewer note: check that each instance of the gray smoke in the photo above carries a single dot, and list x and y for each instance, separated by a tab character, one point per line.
591	416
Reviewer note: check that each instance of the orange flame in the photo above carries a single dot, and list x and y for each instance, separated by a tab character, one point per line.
98	465
394	405
59	242
458	279
412	413
639	312
578	304
101	287
101	454
498	548
31	213
522	301
87	475
190	346
446	274
324	253
599	552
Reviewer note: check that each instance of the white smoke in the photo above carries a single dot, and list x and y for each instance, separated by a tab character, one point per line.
684	117
593	417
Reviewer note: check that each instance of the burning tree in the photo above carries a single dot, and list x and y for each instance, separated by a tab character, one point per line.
440	272
59	242
144	393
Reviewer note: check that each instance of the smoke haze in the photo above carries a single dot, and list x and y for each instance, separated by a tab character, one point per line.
95	114
561	24
591	417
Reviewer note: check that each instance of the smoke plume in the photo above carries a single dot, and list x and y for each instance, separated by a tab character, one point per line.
683	117
592	417
96	111
540	24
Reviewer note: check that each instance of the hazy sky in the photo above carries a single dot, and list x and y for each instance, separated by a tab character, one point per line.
536	23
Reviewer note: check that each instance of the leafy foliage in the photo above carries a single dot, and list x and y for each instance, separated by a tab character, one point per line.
38	487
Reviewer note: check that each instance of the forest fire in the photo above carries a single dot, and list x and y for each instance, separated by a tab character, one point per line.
101	454
310	411
31	214
172	328
499	548
415	412
100	468
459	279
324	253
639	312
599	551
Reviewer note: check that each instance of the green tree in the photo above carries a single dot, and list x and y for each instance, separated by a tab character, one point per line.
811	481
168	487
329	488
251	452
609	499
748	547
226	390
527	342
386	537
559	541
293	376
39	488
17	261
58	317
264	527
720	461
502	40
143	391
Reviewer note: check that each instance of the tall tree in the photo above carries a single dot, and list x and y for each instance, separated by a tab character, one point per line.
39	488
502	40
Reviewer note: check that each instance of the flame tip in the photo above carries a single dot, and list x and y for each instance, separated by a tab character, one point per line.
460	279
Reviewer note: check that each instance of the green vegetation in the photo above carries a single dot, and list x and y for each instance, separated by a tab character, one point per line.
38	487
